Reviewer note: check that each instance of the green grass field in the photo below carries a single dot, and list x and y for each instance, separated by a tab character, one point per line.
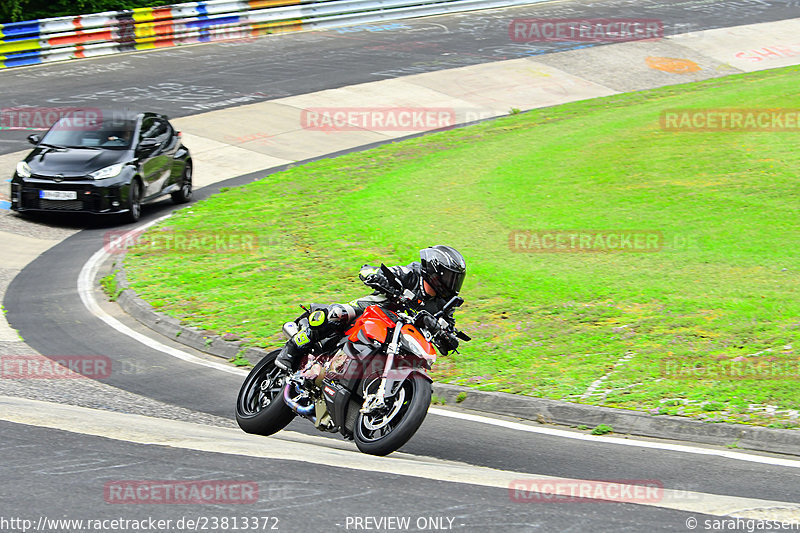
721	296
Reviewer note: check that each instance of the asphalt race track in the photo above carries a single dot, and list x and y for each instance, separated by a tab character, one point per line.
62	474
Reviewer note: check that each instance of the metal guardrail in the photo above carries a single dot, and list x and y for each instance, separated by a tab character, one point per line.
58	39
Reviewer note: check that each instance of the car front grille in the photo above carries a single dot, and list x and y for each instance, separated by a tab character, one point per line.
89	200
61	205
59	180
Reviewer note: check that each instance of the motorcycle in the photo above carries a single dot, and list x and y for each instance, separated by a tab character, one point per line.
371	384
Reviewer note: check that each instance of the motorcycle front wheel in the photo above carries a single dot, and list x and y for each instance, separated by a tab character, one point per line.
385	430
260	408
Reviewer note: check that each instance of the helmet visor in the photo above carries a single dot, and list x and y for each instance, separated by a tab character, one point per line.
451	282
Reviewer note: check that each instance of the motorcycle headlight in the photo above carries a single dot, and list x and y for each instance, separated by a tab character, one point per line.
108	172
410	343
23	170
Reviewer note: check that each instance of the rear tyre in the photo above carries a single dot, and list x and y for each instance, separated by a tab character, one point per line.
184	194
260	408
384	431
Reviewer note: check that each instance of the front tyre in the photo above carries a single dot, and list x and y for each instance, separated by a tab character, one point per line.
135	201
260	408
383	431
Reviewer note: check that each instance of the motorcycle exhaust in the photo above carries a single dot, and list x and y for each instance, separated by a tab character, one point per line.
294	405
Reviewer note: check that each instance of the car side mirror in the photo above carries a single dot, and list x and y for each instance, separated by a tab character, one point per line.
147	145
34	138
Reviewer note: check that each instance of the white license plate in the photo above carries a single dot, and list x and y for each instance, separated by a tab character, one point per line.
58	195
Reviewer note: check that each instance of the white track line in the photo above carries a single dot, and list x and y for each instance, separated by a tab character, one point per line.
86	290
727	454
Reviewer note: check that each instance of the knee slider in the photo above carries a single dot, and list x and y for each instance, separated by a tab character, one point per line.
317	318
341	313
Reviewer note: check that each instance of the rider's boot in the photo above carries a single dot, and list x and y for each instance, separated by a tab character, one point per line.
323	321
293	350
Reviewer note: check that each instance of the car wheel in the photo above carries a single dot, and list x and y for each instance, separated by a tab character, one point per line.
135	202
185	193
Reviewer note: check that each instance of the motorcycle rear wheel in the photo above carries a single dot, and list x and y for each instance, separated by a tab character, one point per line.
260	408
384	431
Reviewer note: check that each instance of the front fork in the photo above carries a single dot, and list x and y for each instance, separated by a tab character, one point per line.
377	400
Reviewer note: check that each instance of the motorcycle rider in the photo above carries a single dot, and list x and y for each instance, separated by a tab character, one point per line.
432	280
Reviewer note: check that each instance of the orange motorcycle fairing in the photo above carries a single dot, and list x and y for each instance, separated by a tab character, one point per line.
374	322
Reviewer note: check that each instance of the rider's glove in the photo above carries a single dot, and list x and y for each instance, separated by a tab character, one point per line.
378	282
429	323
367	271
447	343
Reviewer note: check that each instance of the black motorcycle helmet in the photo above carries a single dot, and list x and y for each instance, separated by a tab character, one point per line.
444	269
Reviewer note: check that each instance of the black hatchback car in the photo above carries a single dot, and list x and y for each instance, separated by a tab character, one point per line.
108	163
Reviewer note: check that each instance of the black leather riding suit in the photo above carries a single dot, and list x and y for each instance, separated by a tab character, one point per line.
324	320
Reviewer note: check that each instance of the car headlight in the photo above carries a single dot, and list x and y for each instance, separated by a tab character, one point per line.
23	170
108	172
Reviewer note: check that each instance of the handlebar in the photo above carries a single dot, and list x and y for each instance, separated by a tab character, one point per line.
434	325
403	296
454	302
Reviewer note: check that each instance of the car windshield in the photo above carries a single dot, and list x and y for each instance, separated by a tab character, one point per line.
86	133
